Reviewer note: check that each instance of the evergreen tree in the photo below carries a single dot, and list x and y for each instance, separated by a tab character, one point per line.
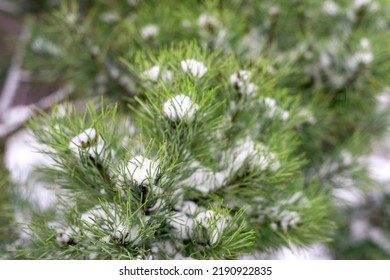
224	128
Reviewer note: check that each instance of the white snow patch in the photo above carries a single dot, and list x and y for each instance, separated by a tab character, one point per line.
110	16
21	157
214	224
149	31
331	8
142	170
108	219
274	110
196	68
349	195
154	73
255	155
239	78
361	3
182	224
208	25
316	251
379	168
180	107
204	179
89	140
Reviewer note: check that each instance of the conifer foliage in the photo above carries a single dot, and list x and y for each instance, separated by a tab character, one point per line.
205	130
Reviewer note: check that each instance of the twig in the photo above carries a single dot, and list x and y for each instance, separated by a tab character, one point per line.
9	128
8	7
59	95
14	73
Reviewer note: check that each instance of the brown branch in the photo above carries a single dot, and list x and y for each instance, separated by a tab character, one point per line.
14	73
8	7
9	128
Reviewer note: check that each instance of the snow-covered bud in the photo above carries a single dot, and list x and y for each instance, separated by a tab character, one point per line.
180	107
365	44
142	170
186	24
365	56
289	219
273	161
240	81
325	59
66	237
284	115
269	102
273	11
149	32
284	218
110	17
62	110
383	99
330	8
108	219
88	141
374	7
196	68
307	116
206	21
70	18
251	89
203	179
360	58
208	25
133	3
239	78
247	156
154	73
95	50
273	110
213	223
360	4
44	46
122	234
